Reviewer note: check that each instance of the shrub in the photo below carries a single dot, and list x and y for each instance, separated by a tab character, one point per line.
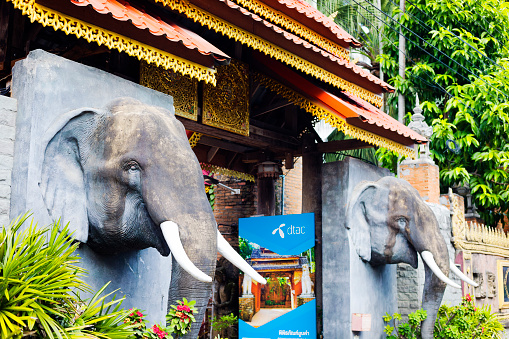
464	321
467	321
224	322
179	320
38	277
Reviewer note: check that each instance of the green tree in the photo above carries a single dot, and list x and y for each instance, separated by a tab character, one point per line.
456	62
245	248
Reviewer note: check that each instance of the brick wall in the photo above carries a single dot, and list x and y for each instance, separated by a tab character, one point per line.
230	207
424	176
8	107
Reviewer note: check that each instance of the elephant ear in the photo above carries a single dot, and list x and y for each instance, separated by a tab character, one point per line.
62	181
356	219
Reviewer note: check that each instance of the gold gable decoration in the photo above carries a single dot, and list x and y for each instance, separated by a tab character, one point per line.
217	24
183	89
193	140
226	105
112	40
294	26
332	119
227	172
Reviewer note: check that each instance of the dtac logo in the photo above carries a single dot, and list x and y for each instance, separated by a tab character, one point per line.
290	230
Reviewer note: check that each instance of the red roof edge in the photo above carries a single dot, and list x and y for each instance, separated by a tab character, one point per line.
311	17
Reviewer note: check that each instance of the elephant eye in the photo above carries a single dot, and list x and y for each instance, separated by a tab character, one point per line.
401	222
132	166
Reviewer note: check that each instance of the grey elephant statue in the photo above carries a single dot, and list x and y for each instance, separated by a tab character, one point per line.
389	223
126	178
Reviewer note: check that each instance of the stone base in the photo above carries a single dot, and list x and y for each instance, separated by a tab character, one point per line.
246	307
301	300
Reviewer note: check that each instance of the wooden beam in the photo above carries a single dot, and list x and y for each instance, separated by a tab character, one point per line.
289	160
232	159
229	146
342	145
258	137
5	10
212	153
269	108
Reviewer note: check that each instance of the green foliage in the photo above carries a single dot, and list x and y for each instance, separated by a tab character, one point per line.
467	321
245	248
210	190
473	111
408	330
224	322
464	321
37	278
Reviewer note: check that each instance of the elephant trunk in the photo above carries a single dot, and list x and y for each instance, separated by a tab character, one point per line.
433	292
189	229
428	241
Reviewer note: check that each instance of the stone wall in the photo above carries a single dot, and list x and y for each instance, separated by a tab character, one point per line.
8	108
47	87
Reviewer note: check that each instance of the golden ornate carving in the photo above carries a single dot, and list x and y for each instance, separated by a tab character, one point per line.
332	119
70	25
211	21
226	105
473	237
193	140
296	27
183	89
227	172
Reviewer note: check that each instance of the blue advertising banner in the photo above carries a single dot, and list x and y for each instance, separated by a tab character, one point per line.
281	249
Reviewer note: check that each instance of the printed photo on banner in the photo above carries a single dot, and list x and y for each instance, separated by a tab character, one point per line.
280	249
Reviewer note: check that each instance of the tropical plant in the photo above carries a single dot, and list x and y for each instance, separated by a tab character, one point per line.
404	330
457	59
224	322
467	321
464	321
38	277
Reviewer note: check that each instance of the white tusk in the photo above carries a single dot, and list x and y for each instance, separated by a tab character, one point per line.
462	276
229	253
171	235
430	261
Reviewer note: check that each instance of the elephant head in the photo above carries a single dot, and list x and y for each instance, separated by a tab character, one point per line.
389	223
126	179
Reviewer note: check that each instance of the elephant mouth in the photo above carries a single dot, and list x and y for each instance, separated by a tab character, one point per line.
171	235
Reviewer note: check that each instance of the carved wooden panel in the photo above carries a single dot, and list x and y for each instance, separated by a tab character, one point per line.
183	89
226	105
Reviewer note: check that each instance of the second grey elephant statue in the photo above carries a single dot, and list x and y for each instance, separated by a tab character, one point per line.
126	178
389	223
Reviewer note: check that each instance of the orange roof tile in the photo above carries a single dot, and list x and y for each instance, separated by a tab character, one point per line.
303	12
374	116
355	111
301	42
123	11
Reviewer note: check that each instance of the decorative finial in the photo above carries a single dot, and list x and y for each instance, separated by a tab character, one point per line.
420	126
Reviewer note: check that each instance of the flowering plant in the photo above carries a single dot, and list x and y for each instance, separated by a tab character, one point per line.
179	321
180	317
467	321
